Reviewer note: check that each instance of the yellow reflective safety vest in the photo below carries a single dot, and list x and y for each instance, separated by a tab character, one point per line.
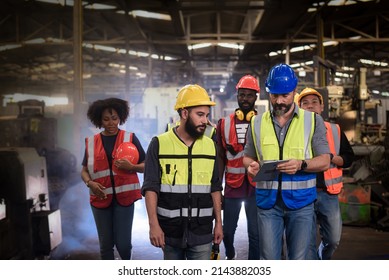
297	190
333	176
185	201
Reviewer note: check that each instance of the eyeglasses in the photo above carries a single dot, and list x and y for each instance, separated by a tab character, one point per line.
248	96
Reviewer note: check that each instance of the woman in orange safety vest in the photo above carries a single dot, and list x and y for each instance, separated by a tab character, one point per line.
110	168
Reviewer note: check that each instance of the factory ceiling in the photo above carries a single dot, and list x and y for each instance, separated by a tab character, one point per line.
212	43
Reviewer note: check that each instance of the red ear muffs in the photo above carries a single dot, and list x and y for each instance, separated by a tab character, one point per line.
241	116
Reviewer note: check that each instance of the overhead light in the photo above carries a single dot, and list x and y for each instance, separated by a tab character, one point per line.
303	48
215	73
86	5
97	6
295	65
141	75
9	47
330	43
35	41
231	46
346	68
385	93
130	52
122	66
199	46
372	62
341	3
145	14
343	75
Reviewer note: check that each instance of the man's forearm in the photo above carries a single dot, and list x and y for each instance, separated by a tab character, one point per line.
151	199
217	202
318	164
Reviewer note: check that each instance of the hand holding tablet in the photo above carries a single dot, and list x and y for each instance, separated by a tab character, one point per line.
268	171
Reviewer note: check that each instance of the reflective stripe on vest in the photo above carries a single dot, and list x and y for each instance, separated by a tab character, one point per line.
185	171
297	190
333	176
121	189
184	189
99	171
183	212
235	173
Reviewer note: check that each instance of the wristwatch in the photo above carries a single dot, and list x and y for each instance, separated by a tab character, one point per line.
331	156
303	165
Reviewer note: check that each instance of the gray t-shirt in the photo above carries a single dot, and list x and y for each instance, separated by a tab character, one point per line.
319	140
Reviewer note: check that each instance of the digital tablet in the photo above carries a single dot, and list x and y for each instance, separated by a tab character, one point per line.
268	171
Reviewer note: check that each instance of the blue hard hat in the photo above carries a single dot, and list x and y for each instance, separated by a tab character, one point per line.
281	79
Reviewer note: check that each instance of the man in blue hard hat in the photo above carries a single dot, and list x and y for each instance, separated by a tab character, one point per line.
286	132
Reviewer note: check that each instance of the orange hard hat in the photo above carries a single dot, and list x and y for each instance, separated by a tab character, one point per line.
126	151
309	91
248	82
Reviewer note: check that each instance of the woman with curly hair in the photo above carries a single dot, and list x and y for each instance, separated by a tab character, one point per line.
112	181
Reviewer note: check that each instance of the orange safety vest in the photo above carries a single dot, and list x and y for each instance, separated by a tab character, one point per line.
235	171
127	187
333	175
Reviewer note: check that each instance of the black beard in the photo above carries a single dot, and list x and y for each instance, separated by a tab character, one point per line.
191	129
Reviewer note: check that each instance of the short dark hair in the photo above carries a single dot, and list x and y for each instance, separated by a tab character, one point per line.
95	110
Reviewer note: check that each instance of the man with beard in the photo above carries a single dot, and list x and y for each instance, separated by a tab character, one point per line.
239	188
286	132
181	183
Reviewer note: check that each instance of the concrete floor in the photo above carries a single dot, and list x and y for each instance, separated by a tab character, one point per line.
79	241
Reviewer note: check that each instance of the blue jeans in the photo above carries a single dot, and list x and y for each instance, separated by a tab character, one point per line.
199	252
330	226
231	212
114	228
297	225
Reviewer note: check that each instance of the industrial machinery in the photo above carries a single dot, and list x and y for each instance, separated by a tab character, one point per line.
34	174
365	197
29	228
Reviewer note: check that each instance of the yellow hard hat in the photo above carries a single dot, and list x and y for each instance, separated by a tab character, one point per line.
192	95
309	91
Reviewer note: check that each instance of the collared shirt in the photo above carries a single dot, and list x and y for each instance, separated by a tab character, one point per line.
319	140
